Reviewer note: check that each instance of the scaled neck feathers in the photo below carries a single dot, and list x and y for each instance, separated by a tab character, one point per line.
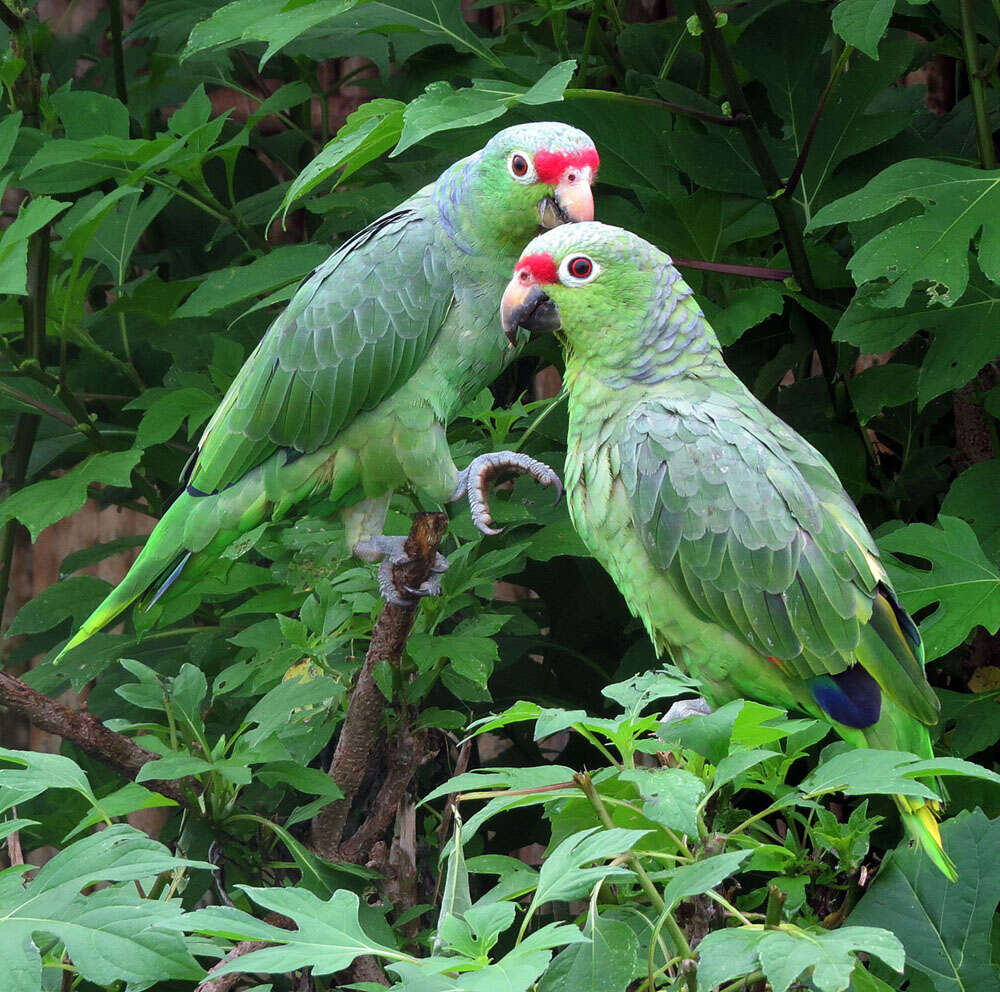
673	338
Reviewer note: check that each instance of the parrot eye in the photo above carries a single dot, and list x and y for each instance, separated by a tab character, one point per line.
521	168
577	270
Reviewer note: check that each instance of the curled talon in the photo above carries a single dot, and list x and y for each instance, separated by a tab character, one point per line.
474	481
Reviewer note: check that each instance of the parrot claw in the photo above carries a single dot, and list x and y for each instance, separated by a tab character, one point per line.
684	708
474	481
389	551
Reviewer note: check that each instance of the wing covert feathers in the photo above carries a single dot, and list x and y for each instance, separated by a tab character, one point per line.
757	532
352	334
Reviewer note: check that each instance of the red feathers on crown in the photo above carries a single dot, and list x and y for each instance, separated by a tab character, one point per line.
540	266
550	166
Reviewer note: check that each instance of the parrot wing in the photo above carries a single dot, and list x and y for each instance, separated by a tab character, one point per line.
353	333
754	526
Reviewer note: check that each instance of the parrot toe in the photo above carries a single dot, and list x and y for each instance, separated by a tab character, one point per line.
474	482
389	551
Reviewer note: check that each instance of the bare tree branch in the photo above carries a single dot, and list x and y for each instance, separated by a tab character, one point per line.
365	706
88	734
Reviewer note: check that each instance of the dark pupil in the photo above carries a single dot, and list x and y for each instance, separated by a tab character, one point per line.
520	166
580	268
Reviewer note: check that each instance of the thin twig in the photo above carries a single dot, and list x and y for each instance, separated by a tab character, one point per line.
984	133
588	42
681	945
800	163
752	271
49	411
352	757
117	51
675	108
13	22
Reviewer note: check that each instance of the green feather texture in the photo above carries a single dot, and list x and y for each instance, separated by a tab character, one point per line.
730	536
393	333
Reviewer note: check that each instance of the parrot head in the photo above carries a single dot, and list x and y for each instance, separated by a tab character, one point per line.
527	176
567	279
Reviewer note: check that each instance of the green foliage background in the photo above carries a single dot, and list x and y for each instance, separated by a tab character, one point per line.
144	260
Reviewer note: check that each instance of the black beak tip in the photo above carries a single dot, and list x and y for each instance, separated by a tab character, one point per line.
538	312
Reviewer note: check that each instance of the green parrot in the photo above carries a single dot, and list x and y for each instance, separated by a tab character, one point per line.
729	535
348	394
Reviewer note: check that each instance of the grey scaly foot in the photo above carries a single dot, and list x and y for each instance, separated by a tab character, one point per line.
389	551
474	481
684	708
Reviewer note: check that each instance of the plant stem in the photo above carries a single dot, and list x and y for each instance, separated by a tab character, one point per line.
775	903
17	459
13	21
646	101
750	271
117	51
766	169
741	984
588	42
984	134
800	164
681	945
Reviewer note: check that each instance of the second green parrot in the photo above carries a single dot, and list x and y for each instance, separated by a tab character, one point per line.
348	394
729	535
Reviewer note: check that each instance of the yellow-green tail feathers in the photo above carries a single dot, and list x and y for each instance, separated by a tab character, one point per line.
921	824
160	556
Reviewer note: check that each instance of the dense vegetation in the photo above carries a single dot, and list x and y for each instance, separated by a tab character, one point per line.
153	237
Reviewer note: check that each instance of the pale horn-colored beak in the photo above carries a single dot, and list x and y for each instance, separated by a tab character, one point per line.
571	201
525	304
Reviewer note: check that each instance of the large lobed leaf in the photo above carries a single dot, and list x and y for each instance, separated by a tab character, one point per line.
960	204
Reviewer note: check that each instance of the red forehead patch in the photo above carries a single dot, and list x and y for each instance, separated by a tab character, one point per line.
540	266
550	166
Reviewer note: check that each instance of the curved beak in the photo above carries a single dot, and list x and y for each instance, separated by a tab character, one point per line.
571	201
525	304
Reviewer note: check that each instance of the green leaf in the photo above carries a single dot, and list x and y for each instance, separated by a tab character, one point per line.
866	771
882	386
456	898
671	796
327	939
111	935
32	216
961	581
694	879
443	108
39	771
128	799
563	875
74	597
437	20
42	504
862	23
945	928
167	410
368	132
86	114
828	956
972	497
960	204
224	287
116	237
745	308
470	656
605	963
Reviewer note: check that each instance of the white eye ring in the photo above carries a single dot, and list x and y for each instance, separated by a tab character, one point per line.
517	160
566	276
